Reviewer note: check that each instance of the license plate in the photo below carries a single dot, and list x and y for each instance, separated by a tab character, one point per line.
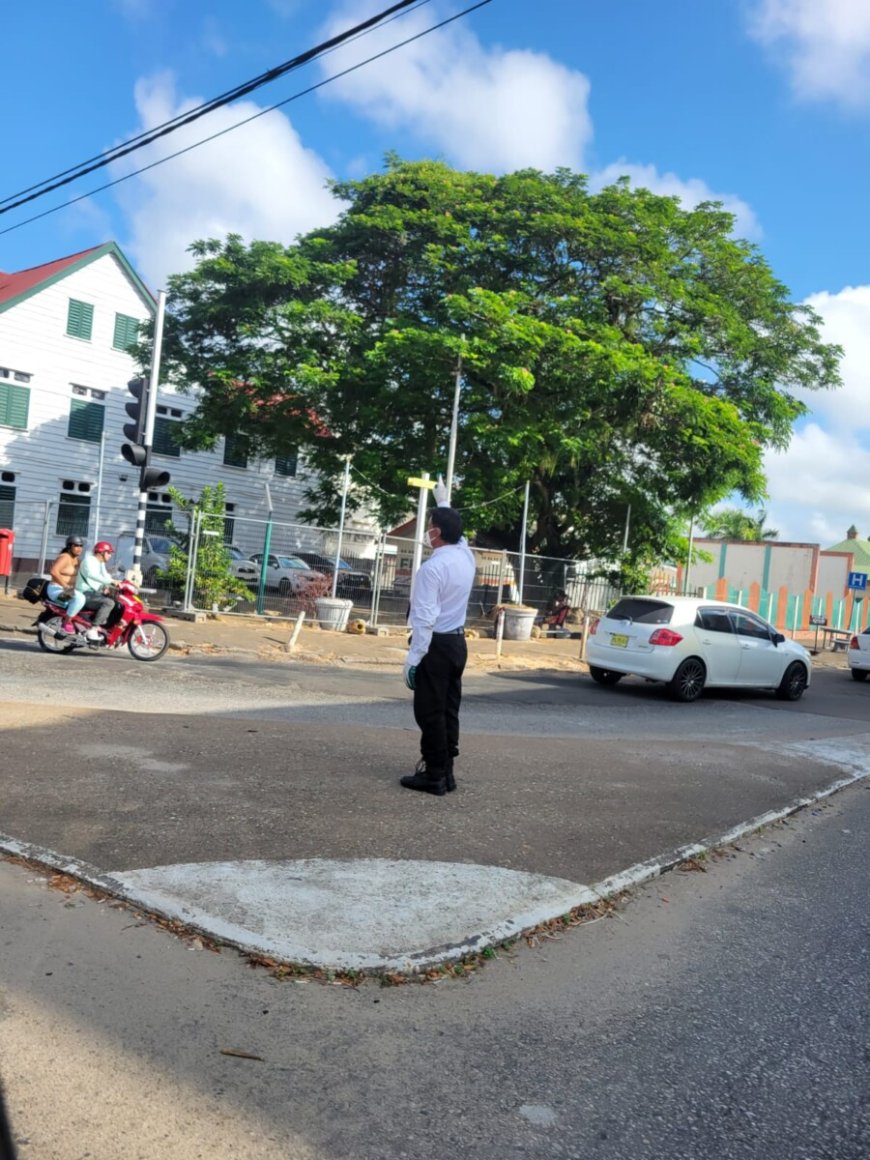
618	640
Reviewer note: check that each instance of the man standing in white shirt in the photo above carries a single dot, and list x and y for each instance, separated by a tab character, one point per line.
438	652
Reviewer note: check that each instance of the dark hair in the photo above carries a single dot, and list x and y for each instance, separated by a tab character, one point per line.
448	522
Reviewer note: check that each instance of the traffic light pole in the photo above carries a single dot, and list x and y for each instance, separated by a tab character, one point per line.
148	438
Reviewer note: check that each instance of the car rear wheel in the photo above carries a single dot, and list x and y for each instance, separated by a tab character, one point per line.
604	676
793	683
687	683
859	674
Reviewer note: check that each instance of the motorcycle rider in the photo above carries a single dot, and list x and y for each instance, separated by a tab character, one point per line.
94	582
63	573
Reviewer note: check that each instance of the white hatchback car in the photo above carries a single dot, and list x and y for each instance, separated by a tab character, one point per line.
692	644
858	655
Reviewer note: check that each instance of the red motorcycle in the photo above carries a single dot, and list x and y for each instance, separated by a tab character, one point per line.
129	624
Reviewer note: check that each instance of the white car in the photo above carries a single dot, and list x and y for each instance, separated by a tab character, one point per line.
858	655
289	574
241	566
692	644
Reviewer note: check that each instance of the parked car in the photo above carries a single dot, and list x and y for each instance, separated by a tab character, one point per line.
241	566
692	644
155	555
351	581
289	574
858	655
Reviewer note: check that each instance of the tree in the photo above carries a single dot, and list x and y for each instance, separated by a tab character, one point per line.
615	350
736	524
214	583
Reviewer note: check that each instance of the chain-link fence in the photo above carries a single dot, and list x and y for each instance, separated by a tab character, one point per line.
285	568
281	569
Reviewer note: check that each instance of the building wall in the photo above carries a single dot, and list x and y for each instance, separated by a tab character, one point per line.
38	460
770	564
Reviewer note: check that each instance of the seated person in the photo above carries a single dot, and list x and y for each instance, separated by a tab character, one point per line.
558	610
94	582
61	587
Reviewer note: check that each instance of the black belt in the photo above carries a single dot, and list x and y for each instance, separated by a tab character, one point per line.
452	632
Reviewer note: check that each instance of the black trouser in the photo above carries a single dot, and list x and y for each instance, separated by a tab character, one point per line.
437	695
101	606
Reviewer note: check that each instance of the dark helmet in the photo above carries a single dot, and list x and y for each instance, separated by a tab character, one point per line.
73	542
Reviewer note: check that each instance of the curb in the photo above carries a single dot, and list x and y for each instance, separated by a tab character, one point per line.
417	960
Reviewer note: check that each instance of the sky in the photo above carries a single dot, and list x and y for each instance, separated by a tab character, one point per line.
763	105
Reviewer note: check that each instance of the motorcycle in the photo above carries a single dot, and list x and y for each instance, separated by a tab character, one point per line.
129	624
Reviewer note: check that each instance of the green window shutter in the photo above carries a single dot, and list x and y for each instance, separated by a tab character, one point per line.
286	464
14	406
86	420
7	506
80	319
164	438
126	331
236	451
73	515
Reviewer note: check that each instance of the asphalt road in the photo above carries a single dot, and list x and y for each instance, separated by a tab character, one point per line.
721	1015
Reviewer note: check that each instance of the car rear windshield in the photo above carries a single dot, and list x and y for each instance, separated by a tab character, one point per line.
641	611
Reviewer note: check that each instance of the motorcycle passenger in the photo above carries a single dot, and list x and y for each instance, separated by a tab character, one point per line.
94	582
62	587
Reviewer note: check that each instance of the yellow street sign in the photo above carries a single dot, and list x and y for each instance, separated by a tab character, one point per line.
412	482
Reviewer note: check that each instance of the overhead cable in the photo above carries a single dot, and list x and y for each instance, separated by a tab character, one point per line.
246	120
13	201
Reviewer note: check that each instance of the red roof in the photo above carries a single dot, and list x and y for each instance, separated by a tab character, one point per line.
11	285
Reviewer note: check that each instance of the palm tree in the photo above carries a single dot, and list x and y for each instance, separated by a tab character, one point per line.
736	524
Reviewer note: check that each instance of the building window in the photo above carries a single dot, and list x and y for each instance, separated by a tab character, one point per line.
80	319
229	522
7	506
158	513
286	464
126	332
74	509
164	437
14	406
236	451
86	420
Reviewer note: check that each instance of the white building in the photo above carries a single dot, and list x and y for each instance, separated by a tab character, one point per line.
65	329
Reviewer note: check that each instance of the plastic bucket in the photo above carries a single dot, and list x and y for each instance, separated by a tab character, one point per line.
333	613
518	623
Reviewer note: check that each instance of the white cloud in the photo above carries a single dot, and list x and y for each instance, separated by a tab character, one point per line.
690	191
488	109
818	487
258	181
825	45
821	484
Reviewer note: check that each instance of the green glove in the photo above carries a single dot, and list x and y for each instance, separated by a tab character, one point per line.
410	675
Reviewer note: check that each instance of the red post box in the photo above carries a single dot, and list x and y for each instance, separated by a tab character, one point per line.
7	539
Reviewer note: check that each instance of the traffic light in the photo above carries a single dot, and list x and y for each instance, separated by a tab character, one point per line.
135	452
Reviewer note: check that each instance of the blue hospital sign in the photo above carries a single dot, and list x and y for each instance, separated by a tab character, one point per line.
858	581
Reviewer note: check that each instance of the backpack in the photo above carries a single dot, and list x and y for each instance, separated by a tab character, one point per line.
34	590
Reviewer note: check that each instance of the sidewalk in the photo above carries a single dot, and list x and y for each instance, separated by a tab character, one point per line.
268	639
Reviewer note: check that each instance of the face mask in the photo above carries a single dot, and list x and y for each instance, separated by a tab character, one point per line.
430	534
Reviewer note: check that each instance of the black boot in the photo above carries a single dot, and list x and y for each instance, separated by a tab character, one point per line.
429	781
449	779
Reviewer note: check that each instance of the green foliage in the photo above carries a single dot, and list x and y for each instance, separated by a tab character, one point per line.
616	349
736	524
214	583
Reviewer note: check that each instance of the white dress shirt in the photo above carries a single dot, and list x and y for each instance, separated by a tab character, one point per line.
439	600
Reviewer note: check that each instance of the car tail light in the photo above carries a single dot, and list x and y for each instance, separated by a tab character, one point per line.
593	625
666	637
854	642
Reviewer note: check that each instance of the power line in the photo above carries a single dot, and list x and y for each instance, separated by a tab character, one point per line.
246	120
148	136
